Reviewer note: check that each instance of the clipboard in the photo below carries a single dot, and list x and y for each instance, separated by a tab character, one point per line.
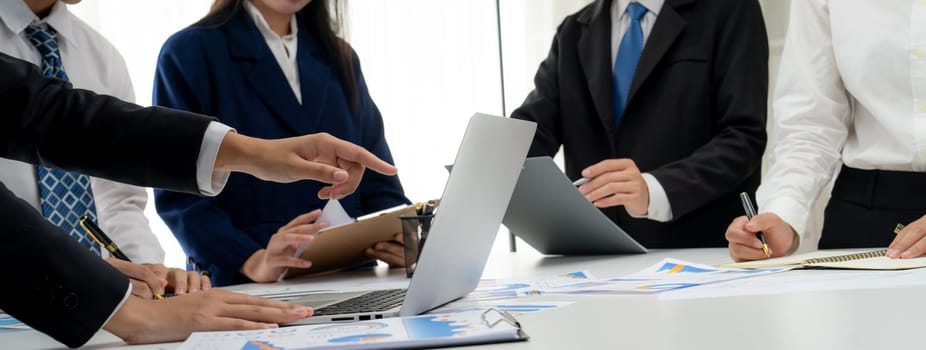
344	246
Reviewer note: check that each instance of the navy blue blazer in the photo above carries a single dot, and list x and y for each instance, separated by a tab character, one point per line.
229	72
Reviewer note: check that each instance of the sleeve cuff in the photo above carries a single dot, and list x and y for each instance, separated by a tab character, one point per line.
128	293
211	182
659	208
791	211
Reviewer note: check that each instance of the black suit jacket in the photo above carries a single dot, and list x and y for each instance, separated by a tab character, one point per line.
50	282
695	118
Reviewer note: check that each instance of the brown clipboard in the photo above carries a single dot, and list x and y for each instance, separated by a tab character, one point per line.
344	246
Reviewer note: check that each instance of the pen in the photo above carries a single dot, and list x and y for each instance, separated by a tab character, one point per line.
580	182
103	240
750	212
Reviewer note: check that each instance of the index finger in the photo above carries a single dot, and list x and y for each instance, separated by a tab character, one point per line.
605	166
904	240
353	153
302	219
244	299
158	269
737	233
141	273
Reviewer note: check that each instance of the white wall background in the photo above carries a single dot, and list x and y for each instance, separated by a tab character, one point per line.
429	64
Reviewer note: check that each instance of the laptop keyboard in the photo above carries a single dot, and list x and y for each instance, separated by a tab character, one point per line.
375	301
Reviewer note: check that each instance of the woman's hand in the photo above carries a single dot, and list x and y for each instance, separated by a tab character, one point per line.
267	265
392	252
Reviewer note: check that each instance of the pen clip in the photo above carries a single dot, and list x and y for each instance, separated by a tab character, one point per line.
503	316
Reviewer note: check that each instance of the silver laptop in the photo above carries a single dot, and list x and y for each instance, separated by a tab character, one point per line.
464	228
550	214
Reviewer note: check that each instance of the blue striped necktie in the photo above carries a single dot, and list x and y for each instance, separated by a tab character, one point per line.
628	55
64	196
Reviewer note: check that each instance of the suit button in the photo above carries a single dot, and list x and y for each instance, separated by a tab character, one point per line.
70	301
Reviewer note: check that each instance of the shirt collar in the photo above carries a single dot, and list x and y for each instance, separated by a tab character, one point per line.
264	28
16	15
653	6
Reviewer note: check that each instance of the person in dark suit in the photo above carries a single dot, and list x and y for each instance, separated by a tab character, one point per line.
58	287
662	105
275	70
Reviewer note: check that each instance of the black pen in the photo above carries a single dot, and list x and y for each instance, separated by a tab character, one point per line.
750	212
103	240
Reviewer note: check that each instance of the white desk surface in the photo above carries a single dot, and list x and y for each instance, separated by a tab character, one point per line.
857	319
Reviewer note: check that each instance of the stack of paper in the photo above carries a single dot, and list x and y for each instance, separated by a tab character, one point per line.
669	274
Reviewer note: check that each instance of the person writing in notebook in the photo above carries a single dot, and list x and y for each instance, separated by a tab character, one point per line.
67	292
47	34
290	74
850	90
662	106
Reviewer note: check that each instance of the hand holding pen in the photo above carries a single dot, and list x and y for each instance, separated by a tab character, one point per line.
745	235
155	286
148	280
750	213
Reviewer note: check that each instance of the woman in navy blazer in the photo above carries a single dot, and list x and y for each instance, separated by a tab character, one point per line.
223	66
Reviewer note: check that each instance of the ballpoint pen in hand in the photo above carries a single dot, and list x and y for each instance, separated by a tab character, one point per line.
750	212
580	182
103	240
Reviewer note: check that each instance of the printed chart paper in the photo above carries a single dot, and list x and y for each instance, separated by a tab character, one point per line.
405	332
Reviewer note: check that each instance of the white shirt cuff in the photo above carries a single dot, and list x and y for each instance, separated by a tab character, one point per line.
659	208
128	293
791	211
209	181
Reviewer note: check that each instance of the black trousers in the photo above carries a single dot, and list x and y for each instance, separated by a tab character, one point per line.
866	205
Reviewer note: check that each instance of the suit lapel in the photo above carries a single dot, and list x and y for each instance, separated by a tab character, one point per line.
594	56
669	25
263	74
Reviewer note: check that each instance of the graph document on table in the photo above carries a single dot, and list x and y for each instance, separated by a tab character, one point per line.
478	327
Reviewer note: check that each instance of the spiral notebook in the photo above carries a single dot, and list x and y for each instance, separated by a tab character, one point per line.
866	259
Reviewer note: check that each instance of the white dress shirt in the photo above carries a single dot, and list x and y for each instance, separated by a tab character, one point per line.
851	88
659	207
282	47
91	63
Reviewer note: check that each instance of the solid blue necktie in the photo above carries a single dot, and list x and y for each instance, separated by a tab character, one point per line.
64	196
628	55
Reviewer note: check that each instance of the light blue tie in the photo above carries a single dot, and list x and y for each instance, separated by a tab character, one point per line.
628	55
64	196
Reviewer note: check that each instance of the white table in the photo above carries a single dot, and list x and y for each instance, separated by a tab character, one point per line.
857	319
